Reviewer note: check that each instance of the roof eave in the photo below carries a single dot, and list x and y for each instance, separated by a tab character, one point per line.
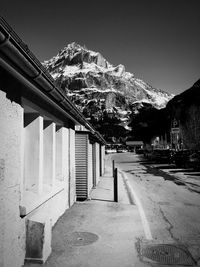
18	53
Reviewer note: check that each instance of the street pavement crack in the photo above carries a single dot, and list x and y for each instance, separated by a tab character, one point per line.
170	227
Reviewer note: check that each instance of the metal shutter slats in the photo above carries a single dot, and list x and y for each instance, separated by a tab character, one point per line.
81	141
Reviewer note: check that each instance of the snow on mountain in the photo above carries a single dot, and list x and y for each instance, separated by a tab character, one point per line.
97	87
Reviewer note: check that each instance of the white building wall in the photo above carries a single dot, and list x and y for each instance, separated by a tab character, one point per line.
97	162
46	216
33	156
49	155
12	227
43	210
72	174
102	159
65	165
90	168
53	195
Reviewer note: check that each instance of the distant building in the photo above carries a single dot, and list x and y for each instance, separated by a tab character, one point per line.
134	144
184	110
38	164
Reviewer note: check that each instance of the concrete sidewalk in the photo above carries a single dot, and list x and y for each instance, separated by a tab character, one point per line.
98	232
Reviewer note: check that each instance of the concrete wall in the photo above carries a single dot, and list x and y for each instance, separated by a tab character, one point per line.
72	174
24	211
102	159
66	166
32	199
33	155
49	155
90	168
39	225
97	147
12	227
42	210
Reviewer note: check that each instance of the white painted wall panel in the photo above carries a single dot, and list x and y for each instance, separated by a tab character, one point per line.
90	168
12	227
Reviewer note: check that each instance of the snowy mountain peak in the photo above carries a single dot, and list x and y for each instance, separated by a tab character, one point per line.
75	54
97	87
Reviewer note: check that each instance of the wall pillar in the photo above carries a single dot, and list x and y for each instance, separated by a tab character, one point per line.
33	156
62	146
102	159
12	229
49	154
97	162
72	174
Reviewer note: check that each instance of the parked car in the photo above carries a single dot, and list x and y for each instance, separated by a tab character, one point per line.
111	150
181	158
121	149
139	151
161	155
147	153
194	160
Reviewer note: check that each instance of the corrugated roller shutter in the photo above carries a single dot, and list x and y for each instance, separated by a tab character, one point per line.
81	161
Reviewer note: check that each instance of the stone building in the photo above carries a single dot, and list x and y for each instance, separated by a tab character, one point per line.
184	111
37	153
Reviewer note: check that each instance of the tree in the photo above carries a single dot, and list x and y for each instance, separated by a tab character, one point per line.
150	122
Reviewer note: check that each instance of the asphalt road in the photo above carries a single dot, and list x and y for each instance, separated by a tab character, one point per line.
171	210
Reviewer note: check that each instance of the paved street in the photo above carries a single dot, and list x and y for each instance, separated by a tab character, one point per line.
98	232
170	210
155	222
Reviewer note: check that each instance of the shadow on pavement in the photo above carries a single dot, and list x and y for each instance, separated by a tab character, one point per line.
105	200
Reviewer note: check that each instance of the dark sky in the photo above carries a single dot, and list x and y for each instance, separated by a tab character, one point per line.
157	40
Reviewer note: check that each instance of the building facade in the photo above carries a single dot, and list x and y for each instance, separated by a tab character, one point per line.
184	110
37	153
89	163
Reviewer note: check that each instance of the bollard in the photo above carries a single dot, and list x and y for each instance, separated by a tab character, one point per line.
115	186
113	168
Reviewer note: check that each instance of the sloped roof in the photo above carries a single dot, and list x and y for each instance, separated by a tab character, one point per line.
16	56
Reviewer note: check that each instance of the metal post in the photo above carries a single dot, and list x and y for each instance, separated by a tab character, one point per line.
113	168
115	186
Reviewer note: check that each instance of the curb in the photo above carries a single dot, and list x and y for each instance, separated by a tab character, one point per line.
137	202
127	188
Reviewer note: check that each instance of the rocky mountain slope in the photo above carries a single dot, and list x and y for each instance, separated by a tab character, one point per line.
103	92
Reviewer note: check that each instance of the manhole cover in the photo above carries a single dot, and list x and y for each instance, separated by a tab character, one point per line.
82	238
167	254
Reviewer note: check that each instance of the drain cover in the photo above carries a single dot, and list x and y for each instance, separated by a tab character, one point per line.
82	238
167	254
